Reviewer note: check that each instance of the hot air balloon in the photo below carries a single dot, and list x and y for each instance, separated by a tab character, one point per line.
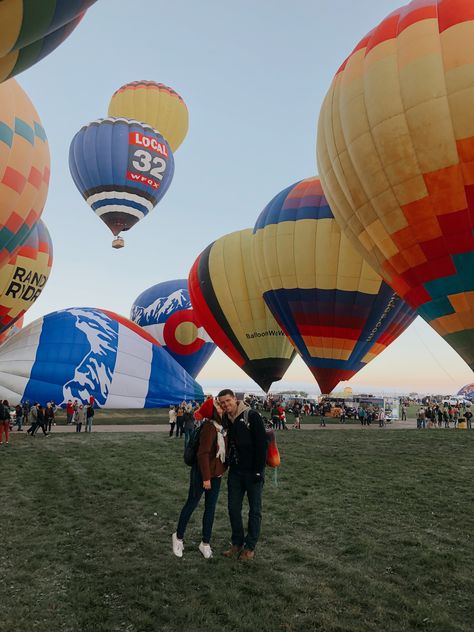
227	300
122	169
467	392
165	312
154	104
24	168
395	153
31	30
83	352
335	309
24	277
11	331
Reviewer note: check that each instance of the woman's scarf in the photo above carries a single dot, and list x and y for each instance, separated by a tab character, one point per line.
221	433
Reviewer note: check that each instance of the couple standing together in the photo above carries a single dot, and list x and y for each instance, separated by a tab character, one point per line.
233	436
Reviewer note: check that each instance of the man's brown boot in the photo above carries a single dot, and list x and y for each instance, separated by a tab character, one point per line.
246	554
233	551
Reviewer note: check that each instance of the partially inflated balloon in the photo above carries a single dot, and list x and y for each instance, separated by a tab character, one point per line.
122	169
336	310
83	352
154	104
226	297
11	331
31	29
24	168
24	277
165	312
396	158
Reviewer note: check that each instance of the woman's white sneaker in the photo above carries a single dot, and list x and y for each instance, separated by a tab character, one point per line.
178	546
205	550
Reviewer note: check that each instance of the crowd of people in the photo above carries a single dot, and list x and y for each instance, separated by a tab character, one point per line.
443	416
42	418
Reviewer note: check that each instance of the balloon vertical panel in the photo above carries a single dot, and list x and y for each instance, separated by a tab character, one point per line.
396	152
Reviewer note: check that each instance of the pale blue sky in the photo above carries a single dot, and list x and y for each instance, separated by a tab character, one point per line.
253	75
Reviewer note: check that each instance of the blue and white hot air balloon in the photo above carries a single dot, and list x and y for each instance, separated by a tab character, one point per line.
165	311
83	352
122	169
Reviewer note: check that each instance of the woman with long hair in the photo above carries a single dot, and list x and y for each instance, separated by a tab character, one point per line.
205	478
4	421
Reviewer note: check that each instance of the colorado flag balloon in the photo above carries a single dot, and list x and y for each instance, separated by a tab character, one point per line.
396	158
84	352
228	301
336	310
122	169
165	312
31	29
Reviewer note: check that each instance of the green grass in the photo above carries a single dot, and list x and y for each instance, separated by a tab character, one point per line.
366	531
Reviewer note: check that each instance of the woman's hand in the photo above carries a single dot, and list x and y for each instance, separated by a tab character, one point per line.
206	484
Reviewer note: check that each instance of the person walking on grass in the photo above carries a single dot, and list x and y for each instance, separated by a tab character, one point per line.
19	417
172	419
89	417
247	450
49	416
4	421
188	426
205	478
180	420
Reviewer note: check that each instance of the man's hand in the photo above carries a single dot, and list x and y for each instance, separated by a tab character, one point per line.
258	477
206	484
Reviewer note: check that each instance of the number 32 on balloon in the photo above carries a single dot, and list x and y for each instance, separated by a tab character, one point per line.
143	160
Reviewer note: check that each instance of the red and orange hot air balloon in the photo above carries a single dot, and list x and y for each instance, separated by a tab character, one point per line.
396	158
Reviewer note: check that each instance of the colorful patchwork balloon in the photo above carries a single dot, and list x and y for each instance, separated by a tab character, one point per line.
335	309
24	168
24	277
84	352
122	169
11	331
165	312
396	158
31	29
154	104
227	300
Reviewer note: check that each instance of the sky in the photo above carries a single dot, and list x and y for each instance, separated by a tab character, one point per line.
253	75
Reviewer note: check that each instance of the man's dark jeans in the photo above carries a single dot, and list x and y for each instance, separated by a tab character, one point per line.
195	492
239	484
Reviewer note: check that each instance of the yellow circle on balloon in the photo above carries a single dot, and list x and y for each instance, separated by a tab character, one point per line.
186	333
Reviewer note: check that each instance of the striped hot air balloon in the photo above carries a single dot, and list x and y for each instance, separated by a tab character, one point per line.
122	169
335	309
24	277
83	353
227	300
154	104
31	29
396	154
24	168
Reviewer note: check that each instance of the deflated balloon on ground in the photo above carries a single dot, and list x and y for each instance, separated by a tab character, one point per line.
83	352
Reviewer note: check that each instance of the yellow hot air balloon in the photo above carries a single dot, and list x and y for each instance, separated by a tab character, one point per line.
154	104
228	302
24	168
396	159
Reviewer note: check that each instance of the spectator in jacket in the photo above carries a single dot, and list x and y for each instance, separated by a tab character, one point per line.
4	421
247	443
79	417
205	477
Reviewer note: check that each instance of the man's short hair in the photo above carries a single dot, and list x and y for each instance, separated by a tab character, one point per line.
226	391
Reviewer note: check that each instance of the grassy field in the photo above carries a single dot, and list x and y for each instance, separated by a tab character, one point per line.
366	531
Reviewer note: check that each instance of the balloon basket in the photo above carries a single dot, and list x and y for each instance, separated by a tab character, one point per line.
118	242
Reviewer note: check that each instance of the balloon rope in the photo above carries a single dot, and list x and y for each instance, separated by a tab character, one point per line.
417	329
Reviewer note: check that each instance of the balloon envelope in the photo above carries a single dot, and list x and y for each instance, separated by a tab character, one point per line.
336	310
165	312
84	352
24	277
396	154
467	392
11	331
24	168
122	169
226	297
31	30
155	104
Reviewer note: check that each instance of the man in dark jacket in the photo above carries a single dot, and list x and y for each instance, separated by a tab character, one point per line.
247	452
